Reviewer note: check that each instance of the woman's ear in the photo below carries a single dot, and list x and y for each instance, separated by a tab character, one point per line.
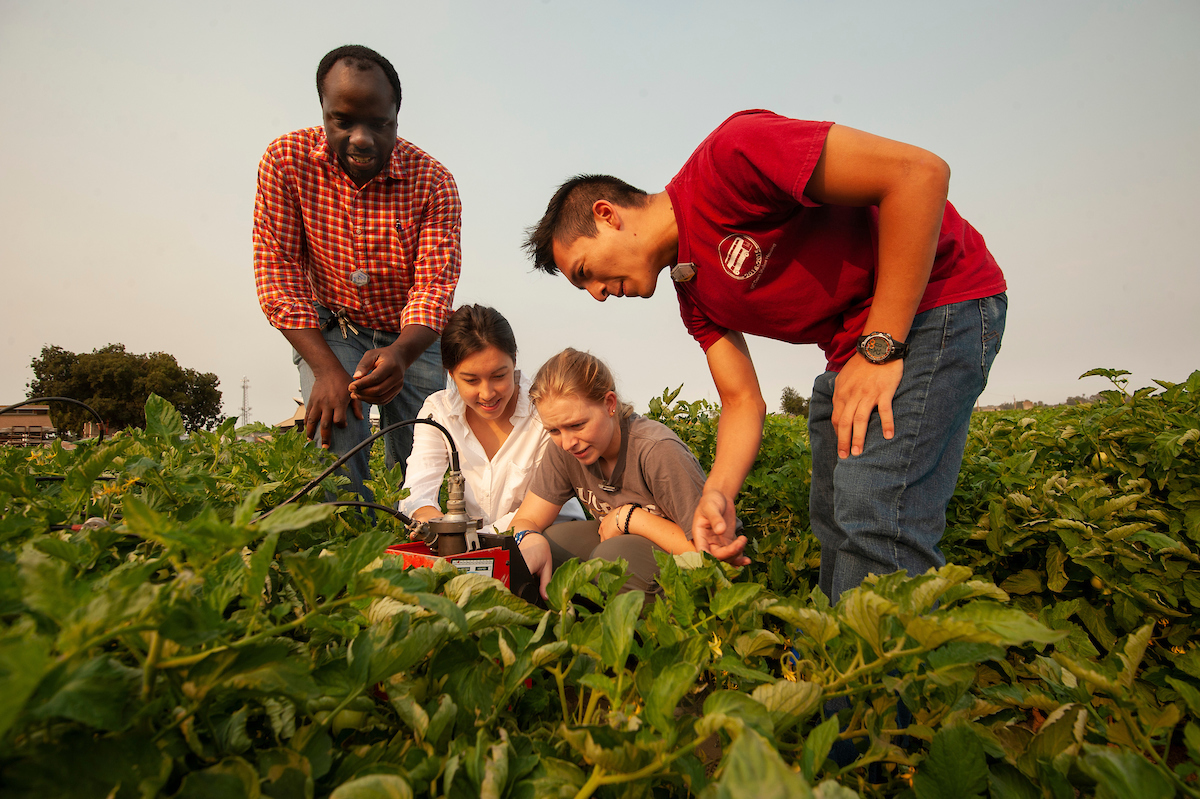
610	403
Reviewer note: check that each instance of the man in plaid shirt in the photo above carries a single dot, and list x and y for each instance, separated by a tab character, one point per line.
356	256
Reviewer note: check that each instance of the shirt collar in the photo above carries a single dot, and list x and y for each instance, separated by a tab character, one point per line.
321	152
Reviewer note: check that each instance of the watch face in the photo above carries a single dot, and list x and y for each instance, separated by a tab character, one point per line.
876	348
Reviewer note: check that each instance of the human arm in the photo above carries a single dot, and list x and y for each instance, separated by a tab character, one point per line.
330	395
380	372
739	432
909	186
664	533
534	516
425	470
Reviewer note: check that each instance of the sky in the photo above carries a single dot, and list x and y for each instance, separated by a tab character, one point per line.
133	131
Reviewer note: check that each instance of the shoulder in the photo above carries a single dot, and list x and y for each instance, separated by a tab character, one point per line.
742	134
411	162
295	145
442	405
649	430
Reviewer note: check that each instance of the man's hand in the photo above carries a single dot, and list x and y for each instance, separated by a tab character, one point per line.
713	526
379	375
327	404
860	388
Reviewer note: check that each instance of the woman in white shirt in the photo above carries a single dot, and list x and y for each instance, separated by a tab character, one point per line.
499	436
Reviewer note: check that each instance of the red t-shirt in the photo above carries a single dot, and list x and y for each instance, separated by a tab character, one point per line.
772	262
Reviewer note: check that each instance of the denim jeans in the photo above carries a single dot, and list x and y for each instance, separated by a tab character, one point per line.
424	377
885	509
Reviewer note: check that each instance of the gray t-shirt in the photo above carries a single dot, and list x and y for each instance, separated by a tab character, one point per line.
654	469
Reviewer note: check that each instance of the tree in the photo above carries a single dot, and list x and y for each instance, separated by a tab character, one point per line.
116	383
792	403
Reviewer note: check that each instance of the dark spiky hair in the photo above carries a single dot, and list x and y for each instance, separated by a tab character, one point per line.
569	214
360	58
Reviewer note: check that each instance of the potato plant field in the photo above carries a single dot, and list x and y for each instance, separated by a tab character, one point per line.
159	636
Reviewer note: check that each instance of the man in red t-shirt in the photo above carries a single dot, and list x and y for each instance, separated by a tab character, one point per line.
811	232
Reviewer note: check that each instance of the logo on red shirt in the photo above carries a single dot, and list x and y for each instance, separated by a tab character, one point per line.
740	256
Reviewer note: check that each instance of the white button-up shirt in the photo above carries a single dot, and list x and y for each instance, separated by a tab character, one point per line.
495	488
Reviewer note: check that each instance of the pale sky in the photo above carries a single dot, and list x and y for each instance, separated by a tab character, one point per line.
133	131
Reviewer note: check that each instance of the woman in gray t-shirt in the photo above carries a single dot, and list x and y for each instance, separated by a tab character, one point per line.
633	474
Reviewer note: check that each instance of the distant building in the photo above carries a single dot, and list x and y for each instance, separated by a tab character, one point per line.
27	426
296	419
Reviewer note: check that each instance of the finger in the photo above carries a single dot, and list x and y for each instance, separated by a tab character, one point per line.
544	579
326	427
861	421
885	417
845	431
366	364
356	406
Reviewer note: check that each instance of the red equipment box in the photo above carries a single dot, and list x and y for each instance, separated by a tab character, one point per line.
498	557
491	562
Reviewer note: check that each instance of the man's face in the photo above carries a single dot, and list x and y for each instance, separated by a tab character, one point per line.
614	262
359	109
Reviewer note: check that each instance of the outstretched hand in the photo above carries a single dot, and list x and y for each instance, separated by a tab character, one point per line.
860	388
713	528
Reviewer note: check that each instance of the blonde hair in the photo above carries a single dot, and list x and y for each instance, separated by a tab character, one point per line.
578	374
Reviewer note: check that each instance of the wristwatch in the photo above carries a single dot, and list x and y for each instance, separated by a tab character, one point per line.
880	347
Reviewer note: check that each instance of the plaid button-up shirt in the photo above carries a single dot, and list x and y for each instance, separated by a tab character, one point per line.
313	228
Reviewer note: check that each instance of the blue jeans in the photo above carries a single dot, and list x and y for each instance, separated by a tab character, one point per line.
424	377
885	509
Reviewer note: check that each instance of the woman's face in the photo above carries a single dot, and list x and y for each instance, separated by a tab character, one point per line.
487	381
588	430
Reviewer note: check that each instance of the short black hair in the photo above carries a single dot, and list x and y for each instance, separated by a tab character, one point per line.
360	58
569	214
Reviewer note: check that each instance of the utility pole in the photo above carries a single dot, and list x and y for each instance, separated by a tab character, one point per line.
245	400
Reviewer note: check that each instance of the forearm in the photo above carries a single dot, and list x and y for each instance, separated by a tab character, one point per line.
315	351
664	533
910	222
412	341
739	433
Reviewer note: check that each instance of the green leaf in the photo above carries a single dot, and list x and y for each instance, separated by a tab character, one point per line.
1189	693
294	517
99	693
753	769
617	621
863	610
374	786
1007	782
817	747
1122	774
232	778
1006	625
955	767
788	702
669	686
730	598
733	712
162	419
24	657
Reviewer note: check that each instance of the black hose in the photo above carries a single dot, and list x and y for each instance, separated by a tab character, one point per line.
366	442
90	409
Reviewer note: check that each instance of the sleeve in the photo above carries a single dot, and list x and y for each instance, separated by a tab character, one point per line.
279	250
439	259
427	465
551	481
675	479
767	159
699	326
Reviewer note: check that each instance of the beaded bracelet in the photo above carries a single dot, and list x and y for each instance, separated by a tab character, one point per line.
632	507
520	535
